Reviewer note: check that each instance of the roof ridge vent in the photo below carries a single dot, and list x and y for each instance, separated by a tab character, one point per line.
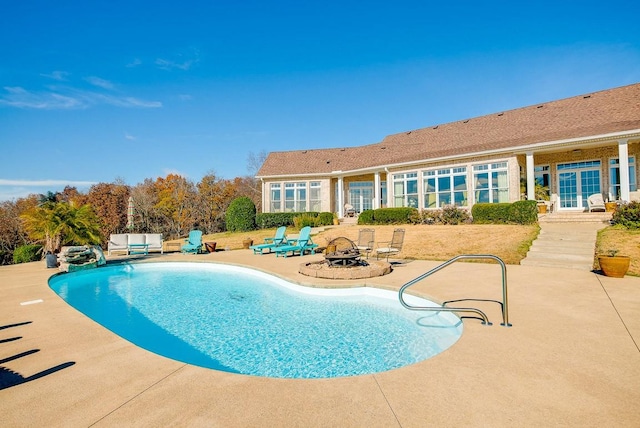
540	106
587	96
500	114
466	121
435	127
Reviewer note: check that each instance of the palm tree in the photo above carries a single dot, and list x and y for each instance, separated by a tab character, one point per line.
62	223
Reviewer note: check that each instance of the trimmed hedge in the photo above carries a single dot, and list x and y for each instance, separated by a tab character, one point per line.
387	216
273	220
27	253
520	212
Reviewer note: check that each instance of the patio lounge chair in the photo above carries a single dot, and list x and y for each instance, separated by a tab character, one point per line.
392	247
271	243
193	242
366	238
596	203
302	244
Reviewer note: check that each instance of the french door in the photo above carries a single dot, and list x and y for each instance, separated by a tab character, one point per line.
576	181
361	195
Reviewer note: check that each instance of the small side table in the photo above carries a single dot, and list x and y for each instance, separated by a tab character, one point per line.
210	246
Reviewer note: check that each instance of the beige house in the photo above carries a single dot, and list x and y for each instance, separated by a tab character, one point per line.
572	148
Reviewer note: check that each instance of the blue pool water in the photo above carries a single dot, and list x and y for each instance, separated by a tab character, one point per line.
244	321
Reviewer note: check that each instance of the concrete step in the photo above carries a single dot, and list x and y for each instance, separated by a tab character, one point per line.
575	217
545	255
583	266
559	252
570	245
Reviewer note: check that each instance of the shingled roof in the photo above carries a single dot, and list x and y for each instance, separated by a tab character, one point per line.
598	113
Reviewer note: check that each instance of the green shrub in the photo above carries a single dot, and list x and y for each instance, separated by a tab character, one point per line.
523	212
520	212
241	215
303	220
393	215
27	253
324	219
366	217
273	220
490	213
628	215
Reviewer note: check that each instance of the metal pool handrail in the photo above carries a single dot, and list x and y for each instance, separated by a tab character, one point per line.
485	319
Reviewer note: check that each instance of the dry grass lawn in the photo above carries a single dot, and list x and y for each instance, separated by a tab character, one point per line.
509	242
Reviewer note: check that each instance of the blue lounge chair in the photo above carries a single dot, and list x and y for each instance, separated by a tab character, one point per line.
193	242
271	243
302	244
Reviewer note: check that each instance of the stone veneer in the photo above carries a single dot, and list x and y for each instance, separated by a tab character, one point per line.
322	270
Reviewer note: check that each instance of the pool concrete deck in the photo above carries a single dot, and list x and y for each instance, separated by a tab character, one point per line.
571	358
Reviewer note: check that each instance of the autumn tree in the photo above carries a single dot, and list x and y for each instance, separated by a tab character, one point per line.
145	199
12	232
110	201
177	200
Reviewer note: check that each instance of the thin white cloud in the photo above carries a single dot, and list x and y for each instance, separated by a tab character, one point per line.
165	64
185	61
101	83
129	136
14	189
39	183
135	102
21	98
64	98
56	75
135	63
185	97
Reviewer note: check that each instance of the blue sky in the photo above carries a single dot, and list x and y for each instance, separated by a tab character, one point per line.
94	91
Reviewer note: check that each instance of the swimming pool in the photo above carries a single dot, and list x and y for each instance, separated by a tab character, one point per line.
241	320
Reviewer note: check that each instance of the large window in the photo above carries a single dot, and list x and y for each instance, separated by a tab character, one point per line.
445	187
491	182
315	201
295	197
405	190
276	198
614	177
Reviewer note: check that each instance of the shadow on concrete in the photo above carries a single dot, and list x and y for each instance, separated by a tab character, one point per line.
9	378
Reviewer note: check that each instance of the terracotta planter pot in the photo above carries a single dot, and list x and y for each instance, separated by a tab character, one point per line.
247	243
614	266
542	209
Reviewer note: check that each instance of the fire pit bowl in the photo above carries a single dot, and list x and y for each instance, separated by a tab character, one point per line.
346	253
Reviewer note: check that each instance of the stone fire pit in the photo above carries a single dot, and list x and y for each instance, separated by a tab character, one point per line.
343	261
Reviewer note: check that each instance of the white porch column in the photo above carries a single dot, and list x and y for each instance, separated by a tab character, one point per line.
623	157
340	197
389	188
531	177
376	190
